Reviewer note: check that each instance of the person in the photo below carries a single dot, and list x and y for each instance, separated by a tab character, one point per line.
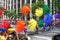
37	29
58	23
2	35
56	37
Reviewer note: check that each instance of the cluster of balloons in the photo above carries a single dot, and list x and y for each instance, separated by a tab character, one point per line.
41	23
1	12
4	26
21	26
25	10
46	9
11	30
48	19
32	24
39	12
57	16
42	11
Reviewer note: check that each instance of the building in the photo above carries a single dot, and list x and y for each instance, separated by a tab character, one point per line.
2	3
17	4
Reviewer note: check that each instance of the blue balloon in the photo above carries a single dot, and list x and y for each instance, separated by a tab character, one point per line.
2	29
48	19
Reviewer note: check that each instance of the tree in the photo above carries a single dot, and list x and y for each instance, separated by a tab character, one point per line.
1	8
56	4
11	14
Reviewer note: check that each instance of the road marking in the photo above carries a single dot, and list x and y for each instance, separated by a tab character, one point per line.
43	37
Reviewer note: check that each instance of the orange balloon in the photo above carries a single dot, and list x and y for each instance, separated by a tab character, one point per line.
25	10
20	26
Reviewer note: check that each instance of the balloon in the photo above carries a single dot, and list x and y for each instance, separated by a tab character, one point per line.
1	25
2	29
6	24
32	24
21	26
39	12
57	16
46	9
25	10
48	19
25	31
11	30
41	23
1	12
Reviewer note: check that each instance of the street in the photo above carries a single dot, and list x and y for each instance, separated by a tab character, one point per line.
46	36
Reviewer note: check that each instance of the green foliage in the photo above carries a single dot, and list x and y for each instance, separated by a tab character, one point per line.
11	14
1	8
56	3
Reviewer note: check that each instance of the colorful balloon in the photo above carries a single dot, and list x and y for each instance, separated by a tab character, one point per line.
25	10
1	12
48	19
41	23
32	24
11	30
21	26
2	29
39	12
46	9
57	16
6	24
1	25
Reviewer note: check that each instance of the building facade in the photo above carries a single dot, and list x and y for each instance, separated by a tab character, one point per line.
2	3
17	4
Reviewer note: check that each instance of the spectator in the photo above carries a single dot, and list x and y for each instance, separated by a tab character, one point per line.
56	37
2	35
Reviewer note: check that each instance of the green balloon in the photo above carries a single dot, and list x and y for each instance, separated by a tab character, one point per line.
40	23
46	9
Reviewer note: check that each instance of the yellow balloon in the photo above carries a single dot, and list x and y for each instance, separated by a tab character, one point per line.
39	12
10	30
32	24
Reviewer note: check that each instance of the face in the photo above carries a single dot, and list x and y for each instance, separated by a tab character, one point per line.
10	37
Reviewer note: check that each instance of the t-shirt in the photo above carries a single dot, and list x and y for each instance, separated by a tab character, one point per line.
2	38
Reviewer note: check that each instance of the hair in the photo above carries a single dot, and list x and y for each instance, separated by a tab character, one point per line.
24	39
56	37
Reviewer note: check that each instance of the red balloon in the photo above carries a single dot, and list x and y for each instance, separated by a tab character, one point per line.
1	12
1	25
6	24
25	10
20	26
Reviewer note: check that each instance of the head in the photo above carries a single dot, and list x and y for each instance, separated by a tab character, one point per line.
56	37
9	37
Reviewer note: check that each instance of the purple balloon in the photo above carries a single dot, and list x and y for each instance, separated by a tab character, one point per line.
25	31
57	16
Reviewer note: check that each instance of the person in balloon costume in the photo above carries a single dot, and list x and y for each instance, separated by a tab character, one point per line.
2	34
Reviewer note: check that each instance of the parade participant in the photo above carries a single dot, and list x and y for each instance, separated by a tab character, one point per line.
2	35
58	23
52	24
